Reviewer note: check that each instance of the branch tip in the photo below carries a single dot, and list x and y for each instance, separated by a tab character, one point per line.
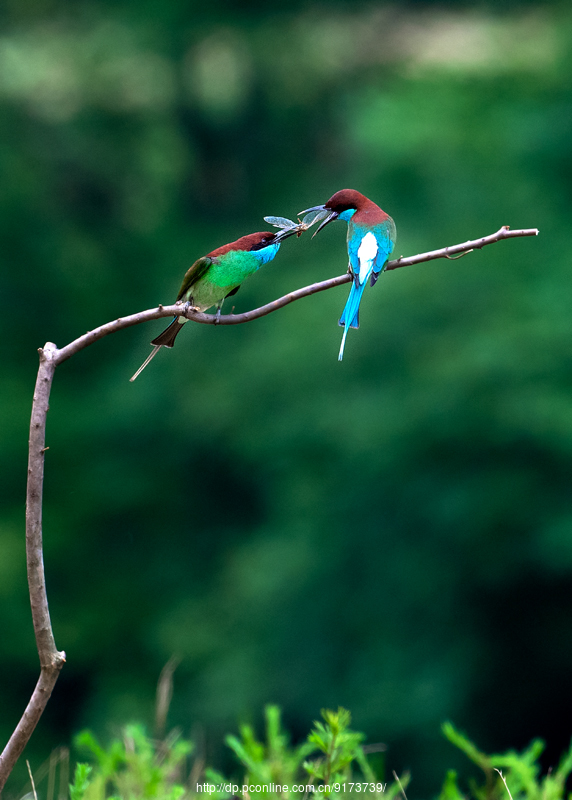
48	352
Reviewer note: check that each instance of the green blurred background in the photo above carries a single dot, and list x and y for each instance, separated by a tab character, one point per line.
393	533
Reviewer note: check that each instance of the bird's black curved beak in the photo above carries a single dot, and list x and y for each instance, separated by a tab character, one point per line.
314	208
330	218
279	236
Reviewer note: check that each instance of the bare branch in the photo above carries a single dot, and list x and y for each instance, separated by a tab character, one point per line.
248	316
476	244
52	660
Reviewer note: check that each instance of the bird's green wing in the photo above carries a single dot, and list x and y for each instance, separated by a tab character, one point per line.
197	271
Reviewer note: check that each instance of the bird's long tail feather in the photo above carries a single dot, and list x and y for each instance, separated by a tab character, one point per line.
350	314
165	339
151	355
343	344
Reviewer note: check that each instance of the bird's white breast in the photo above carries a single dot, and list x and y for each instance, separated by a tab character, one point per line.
367	252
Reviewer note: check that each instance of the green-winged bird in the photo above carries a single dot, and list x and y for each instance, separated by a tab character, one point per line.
218	275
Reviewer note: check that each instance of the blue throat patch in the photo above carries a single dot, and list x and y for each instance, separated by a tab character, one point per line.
266	254
347	214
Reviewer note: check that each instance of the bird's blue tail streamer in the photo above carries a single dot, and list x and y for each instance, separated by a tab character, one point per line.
350	314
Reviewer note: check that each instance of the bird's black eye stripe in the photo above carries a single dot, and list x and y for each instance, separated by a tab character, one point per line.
263	243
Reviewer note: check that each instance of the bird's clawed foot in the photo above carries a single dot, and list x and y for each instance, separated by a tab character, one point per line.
189	307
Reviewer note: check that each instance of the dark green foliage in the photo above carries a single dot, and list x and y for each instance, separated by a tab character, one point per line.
136	767
81	781
519	774
338	744
331	760
274	761
132	767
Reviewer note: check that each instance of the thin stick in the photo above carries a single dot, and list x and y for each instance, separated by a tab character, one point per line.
32	779
164	695
64	774
396	776
504	781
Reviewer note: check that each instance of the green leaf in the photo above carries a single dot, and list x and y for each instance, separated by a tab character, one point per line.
80	781
468	748
450	789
